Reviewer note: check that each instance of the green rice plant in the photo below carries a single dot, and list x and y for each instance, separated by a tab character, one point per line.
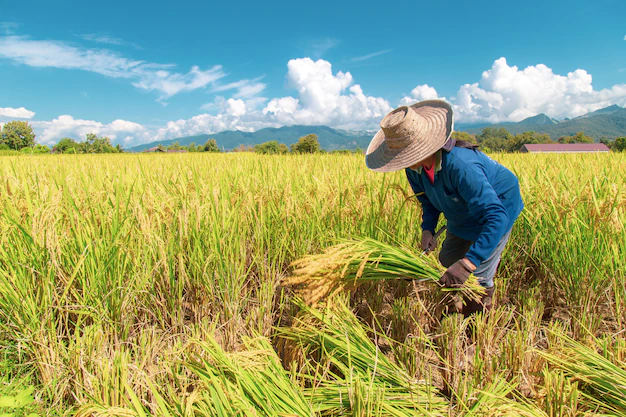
561	397
110	264
249	382
348	374
351	262
601	379
497	399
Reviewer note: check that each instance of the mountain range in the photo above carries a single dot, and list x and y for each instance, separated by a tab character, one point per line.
609	122
329	138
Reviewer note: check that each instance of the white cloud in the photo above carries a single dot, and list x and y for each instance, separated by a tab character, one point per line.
245	88
322	99
107	39
250	90
368	56
19	113
145	75
170	84
419	93
505	93
204	123
508	94
119	131
235	108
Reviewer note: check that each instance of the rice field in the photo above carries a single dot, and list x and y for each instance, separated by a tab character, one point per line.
135	285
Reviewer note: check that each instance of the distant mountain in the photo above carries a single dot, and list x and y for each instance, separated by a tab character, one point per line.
609	122
607	110
538	120
329	138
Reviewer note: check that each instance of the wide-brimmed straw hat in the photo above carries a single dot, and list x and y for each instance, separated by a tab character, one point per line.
410	134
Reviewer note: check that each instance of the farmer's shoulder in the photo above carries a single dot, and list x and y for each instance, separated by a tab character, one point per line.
463	158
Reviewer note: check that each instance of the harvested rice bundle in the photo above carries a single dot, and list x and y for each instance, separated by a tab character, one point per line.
348	374
352	262
600	373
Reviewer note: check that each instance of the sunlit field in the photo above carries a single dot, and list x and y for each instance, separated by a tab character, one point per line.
151	285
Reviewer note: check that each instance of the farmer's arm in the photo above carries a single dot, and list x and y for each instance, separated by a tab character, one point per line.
430	215
483	203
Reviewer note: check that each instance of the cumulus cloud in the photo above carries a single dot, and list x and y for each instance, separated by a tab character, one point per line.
145	75
419	93
19	113
323	99
119	131
507	94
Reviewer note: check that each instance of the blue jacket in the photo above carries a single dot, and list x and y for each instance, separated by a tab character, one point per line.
479	198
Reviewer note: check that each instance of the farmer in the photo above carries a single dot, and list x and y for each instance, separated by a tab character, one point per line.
479	198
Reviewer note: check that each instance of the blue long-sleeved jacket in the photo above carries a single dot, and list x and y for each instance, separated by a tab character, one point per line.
479	198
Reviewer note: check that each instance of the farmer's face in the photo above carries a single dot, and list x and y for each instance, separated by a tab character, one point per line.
426	163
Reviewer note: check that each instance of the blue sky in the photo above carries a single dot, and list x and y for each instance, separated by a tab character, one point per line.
143	71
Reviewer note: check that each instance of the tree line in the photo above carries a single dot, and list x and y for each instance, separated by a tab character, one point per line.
501	140
19	136
306	144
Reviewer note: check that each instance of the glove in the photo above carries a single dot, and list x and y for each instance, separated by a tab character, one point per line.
457	274
429	243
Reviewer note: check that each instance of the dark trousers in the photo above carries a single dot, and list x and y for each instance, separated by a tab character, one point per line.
455	248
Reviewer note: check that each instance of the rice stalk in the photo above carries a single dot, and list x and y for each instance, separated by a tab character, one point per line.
252	382
352	262
348	374
602	381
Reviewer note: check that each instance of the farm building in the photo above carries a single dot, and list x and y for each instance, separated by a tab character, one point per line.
565	147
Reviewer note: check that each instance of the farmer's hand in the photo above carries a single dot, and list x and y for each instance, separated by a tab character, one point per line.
457	274
429	243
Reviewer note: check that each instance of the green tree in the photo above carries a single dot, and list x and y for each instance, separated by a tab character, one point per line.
306	144
17	135
494	139
271	147
211	146
95	144
463	136
516	142
174	147
579	137
619	144
66	145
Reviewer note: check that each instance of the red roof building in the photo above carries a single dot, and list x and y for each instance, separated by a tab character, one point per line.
565	147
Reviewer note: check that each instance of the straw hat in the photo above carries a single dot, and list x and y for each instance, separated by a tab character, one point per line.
410	134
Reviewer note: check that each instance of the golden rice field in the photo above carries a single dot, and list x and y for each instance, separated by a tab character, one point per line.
136	285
